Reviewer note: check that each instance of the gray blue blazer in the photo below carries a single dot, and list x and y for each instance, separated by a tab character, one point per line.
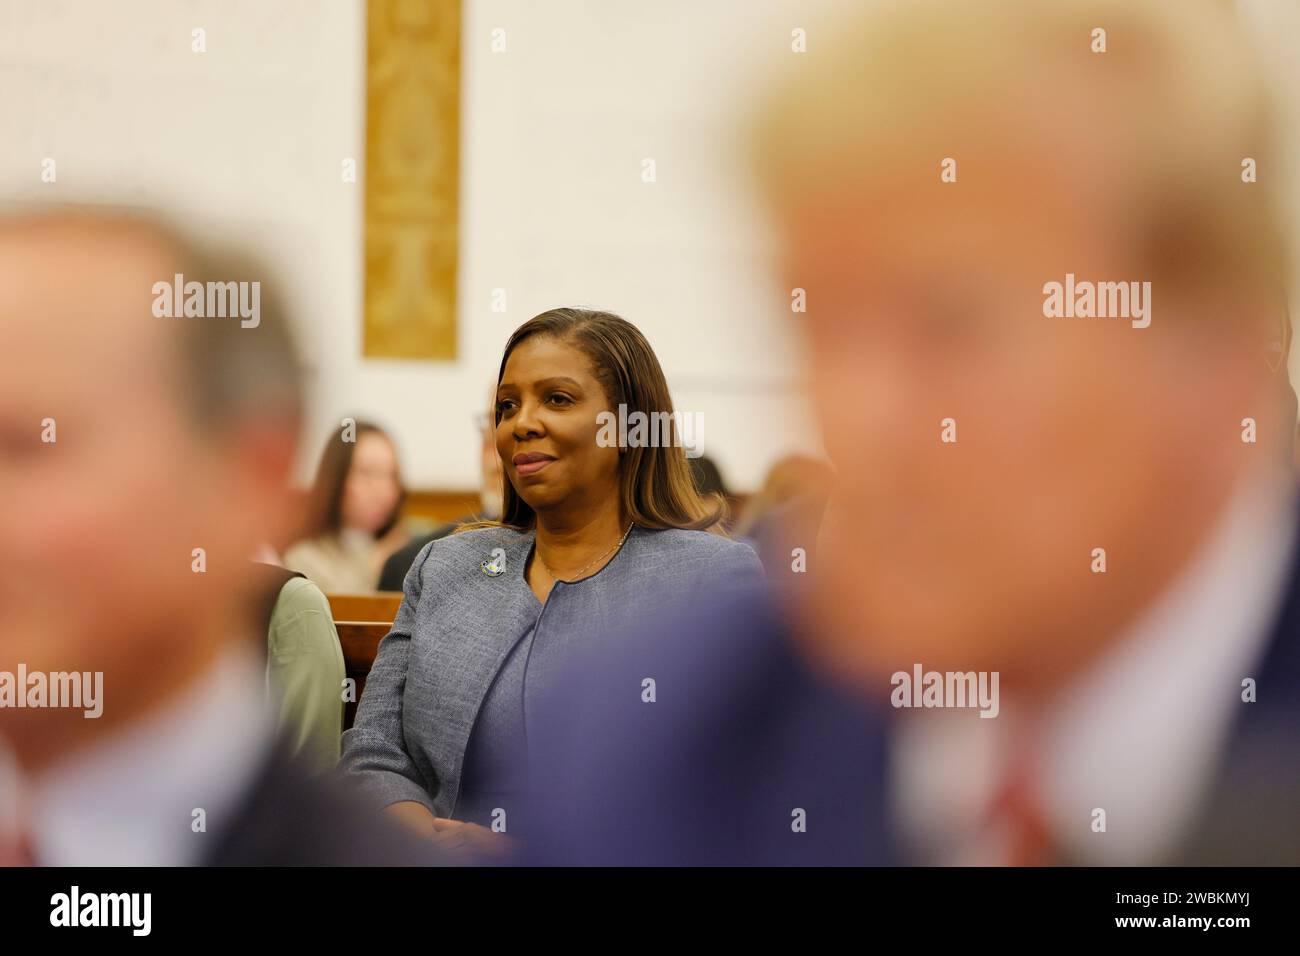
458	622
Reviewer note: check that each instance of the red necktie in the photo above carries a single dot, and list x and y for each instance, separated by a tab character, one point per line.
1016	808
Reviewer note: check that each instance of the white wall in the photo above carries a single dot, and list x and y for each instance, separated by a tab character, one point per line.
247	140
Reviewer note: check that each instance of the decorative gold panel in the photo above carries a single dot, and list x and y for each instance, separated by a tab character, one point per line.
412	178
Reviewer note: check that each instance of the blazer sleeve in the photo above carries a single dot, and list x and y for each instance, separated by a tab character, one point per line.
374	750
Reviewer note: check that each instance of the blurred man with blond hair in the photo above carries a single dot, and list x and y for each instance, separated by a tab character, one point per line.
1044	266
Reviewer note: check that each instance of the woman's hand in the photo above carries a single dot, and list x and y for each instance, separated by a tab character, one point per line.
460	841
469	841
412	816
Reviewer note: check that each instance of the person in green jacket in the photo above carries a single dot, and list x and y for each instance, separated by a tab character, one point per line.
305	673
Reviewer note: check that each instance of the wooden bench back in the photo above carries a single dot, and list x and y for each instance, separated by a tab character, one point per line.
380	606
360	641
361	620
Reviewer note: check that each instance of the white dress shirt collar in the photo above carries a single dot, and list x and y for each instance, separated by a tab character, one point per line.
1139	733
130	800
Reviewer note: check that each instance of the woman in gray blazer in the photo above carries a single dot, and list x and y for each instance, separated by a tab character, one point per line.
602	527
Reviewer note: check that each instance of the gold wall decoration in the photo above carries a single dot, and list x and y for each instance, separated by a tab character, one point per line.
412	178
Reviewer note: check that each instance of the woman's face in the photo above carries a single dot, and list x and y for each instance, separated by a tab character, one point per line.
548	401
372	486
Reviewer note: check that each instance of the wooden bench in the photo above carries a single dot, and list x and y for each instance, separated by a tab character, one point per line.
361	620
379	606
360	641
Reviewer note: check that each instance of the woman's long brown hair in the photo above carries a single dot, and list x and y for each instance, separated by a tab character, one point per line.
655	483
325	504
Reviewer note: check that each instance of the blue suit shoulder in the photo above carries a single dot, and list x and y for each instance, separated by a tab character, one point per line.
695	742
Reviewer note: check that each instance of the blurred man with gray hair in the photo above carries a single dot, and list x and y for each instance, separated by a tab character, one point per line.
146	452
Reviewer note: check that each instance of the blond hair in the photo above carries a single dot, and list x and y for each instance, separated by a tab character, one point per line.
1168	114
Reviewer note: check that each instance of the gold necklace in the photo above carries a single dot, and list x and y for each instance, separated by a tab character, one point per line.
578	574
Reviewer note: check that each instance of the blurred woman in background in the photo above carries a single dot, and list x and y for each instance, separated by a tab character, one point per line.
353	513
